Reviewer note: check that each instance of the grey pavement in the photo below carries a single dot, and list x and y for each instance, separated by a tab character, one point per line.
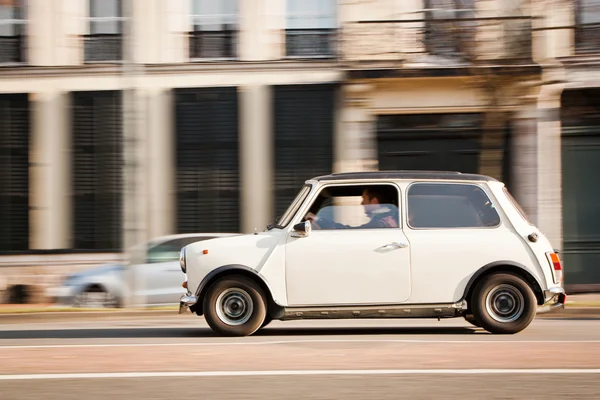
445	387
299	352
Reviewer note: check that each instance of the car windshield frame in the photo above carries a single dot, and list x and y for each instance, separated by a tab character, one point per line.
294	206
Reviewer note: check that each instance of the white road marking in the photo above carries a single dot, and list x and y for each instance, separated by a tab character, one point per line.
283	342
129	375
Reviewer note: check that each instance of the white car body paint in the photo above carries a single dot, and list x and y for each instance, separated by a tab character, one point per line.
346	267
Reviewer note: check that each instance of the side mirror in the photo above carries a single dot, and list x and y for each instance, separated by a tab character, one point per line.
301	229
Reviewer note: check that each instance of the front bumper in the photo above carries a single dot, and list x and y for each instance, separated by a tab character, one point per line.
186	301
555	299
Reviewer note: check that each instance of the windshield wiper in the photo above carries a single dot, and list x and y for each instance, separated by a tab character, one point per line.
273	224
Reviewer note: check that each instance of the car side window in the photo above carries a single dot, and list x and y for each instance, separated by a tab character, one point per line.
449	205
355	207
166	251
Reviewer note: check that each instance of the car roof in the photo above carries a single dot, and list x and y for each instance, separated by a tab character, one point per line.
405	174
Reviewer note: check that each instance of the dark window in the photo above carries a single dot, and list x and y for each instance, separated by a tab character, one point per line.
355	207
304	127
580	158
215	29
207	151
311	28
97	162
431	142
587	32
14	172
445	34
12	31
433	205
105	40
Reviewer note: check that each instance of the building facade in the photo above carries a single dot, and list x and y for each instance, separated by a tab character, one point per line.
125	120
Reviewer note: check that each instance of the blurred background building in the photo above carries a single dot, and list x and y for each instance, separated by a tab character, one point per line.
124	120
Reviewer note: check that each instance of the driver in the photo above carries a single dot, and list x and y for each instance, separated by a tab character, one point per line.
377	208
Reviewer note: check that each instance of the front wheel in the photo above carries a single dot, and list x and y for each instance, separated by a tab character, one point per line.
503	303
235	306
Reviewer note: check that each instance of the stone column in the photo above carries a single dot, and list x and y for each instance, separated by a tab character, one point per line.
355	138
549	171
161	164
253	23
256	157
41	33
524	159
175	48
50	172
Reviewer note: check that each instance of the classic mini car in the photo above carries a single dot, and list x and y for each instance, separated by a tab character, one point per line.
397	244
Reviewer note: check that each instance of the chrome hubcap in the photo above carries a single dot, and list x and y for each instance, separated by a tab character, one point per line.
234	306
505	303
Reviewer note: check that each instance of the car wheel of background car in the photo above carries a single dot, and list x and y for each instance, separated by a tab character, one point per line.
235	306
471	319
95	297
503	303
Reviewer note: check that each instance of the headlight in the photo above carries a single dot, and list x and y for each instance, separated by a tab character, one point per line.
182	259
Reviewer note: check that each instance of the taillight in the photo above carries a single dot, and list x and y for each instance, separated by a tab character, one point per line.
557	270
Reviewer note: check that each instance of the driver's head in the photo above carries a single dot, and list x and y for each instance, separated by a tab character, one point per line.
372	200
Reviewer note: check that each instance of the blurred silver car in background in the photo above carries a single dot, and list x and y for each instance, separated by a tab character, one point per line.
155	265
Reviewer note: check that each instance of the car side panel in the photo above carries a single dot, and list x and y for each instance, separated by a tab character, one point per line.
259	252
273	271
443	262
522	228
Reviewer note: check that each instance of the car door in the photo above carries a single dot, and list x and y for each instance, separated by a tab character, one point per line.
347	264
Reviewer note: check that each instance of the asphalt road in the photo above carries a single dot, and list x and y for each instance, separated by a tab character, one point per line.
178	356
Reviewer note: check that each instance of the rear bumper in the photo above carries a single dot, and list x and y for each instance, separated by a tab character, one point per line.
555	299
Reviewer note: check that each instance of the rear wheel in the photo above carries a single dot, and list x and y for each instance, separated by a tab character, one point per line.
470	319
235	306
503	303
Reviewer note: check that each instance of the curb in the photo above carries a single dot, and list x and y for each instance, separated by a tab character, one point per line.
572	312
43	316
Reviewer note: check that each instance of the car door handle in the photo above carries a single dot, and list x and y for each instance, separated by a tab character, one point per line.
395	245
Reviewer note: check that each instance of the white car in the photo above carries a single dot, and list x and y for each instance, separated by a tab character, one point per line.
399	244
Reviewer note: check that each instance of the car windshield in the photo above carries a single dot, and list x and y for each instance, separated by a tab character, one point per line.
293	208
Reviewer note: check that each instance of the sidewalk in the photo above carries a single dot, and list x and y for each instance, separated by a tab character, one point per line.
584	300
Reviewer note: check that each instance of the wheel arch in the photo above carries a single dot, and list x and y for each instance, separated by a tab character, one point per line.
98	285
504	266
273	309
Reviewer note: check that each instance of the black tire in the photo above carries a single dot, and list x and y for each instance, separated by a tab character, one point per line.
267	321
471	319
230	295
503	303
